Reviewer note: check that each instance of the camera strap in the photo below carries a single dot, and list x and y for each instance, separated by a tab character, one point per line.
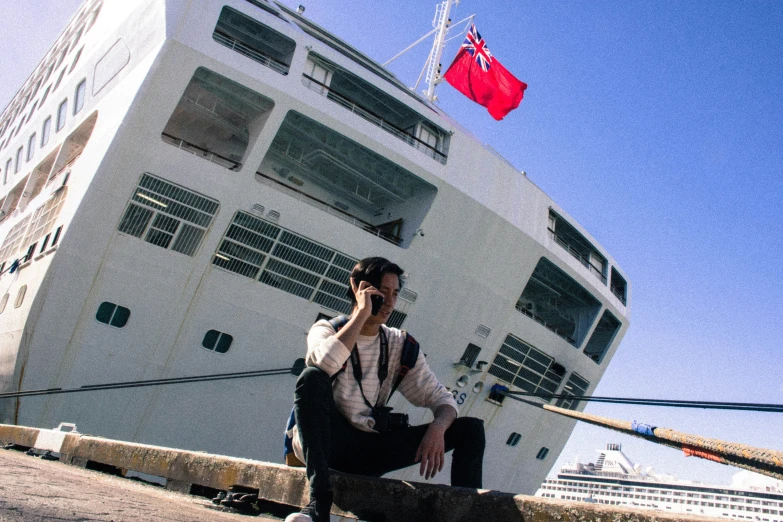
383	367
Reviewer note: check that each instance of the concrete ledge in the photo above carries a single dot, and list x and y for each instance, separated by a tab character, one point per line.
367	498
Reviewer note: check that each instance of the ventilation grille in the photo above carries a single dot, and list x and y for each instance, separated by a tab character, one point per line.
258	209
471	354
396	319
483	331
408	295
273	215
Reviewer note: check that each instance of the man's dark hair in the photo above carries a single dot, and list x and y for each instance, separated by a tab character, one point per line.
372	270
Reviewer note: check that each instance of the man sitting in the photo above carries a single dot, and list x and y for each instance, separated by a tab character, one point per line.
340	420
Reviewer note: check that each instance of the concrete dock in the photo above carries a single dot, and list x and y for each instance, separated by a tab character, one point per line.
32	489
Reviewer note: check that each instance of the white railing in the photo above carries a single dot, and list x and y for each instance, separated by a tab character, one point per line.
201	153
254	55
326	207
582	259
324	90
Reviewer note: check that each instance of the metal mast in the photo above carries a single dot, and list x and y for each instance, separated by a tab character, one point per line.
441	23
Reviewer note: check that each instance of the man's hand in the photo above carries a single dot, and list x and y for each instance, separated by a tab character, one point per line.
431	452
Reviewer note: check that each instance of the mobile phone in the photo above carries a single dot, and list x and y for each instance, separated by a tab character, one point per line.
377	303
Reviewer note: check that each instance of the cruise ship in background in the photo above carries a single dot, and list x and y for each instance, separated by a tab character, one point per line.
613	479
185	188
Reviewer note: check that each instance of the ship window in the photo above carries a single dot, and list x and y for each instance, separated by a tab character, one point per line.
514	439
46	130
349	52
45	243
78	99
3	301
216	119
553	299
255	248
217	341
14	238
76	58
112	314
18	165
254	40
72	148
20	296
30	251
577	245
618	285
470	355
341	177
575	387
168	215
376	106
31	147
602	337
529	369
62	113
542	453
37	178
7	170
59	79
56	237
44	218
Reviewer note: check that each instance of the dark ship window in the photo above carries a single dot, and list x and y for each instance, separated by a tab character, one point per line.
514	439
214	118
254	40
542	453
336	175
112	314
618	285
217	341
362	98
602	337
575	387
577	245
553	299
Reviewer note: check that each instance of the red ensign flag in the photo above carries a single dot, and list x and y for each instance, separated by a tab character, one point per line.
479	76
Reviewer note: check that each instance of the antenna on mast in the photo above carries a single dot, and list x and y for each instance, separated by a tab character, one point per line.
441	24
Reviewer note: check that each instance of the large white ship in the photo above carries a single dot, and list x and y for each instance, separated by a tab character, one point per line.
613	479
185	186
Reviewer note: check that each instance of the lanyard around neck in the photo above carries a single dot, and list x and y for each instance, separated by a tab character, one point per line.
383	366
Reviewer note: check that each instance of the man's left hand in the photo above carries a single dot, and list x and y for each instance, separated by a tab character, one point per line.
432	451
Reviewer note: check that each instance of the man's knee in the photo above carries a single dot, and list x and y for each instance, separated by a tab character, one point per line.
470	431
313	381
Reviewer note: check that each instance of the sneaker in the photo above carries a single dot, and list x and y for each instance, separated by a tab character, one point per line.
315	511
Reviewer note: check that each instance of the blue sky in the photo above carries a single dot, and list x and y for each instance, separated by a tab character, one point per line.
659	127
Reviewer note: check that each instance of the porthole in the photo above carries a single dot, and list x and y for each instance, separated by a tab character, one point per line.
20	296
112	314
478	387
514	439
542	453
217	341
463	381
3	302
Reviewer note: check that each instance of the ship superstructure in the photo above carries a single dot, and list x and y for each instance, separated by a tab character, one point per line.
613	479
186	186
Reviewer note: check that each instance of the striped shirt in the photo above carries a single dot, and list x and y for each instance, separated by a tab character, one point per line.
420	386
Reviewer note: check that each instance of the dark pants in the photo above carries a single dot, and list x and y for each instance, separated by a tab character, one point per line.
330	441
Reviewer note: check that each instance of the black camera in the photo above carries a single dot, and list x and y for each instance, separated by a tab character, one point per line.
377	303
386	421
